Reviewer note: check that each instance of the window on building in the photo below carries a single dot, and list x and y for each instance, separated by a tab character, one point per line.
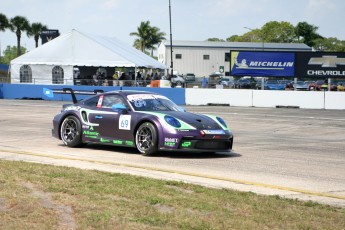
25	74
178	56
227	56
57	75
206	57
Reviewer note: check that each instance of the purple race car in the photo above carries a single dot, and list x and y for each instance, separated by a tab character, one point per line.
147	121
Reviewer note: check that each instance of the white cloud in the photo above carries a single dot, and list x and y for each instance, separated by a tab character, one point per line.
317	7
110	4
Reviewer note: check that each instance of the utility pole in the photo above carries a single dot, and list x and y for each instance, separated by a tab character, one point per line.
171	49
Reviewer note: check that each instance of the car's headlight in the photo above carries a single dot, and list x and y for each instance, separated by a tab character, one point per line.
222	122
172	121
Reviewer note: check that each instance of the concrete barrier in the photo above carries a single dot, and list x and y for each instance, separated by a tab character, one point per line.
334	100
266	98
300	99
235	97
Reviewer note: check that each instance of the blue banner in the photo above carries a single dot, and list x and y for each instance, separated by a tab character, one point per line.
262	64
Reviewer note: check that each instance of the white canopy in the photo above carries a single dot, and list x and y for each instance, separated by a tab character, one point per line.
81	49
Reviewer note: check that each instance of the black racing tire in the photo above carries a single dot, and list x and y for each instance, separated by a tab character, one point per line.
146	139
70	132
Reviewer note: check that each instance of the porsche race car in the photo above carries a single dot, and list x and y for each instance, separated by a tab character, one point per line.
144	120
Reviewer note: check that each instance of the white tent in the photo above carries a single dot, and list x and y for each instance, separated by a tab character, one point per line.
77	49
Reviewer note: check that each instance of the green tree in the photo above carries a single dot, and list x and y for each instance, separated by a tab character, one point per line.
17	25
233	38
35	30
4	23
254	35
307	33
10	53
329	44
215	40
155	37
142	35
147	37
279	32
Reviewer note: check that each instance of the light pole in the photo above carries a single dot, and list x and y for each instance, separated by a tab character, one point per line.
171	49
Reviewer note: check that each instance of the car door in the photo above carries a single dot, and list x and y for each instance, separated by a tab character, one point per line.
113	126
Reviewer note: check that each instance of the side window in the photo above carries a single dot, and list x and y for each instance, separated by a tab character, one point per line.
178	56
110	100
25	74
57	75
227	56
92	102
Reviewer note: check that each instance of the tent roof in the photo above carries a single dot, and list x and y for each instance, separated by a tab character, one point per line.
82	49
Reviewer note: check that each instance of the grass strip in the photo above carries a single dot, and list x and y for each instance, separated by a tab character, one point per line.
36	196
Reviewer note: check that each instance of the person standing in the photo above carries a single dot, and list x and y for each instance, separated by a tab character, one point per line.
204	82
115	79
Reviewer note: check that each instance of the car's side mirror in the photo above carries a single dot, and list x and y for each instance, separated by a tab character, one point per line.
119	108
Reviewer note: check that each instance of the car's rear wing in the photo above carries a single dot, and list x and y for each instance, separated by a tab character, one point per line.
50	92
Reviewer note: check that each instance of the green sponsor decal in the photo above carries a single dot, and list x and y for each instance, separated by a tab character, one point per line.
88	133
170	144
130	143
186	144
93	137
91	127
104	140
117	142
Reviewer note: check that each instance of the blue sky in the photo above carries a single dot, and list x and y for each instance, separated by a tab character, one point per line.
194	20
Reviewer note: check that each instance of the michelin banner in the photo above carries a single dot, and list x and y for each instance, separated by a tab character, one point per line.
261	63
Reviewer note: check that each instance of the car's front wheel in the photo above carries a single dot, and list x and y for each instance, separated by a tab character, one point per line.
70	132
146	139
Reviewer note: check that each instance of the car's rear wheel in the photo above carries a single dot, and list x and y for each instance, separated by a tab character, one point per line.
146	139
70	132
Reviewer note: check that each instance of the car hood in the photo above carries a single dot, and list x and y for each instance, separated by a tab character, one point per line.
198	121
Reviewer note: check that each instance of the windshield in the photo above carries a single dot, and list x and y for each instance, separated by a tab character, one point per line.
151	102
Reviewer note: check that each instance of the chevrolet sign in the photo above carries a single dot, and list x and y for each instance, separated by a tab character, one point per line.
320	64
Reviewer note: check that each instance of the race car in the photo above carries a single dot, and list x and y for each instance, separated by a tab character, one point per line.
144	120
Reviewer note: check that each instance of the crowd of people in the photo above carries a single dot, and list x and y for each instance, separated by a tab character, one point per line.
123	78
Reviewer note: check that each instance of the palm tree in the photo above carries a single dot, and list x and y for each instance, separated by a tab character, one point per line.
148	37
17	25
4	23
35	30
308	32
156	37
143	36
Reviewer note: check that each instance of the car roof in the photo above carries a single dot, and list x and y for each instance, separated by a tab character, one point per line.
129	92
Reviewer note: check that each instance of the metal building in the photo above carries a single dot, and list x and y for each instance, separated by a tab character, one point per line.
204	58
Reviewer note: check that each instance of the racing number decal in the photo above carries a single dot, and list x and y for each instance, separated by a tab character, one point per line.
100	101
125	122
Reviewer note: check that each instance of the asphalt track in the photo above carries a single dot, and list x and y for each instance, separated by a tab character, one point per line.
292	153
